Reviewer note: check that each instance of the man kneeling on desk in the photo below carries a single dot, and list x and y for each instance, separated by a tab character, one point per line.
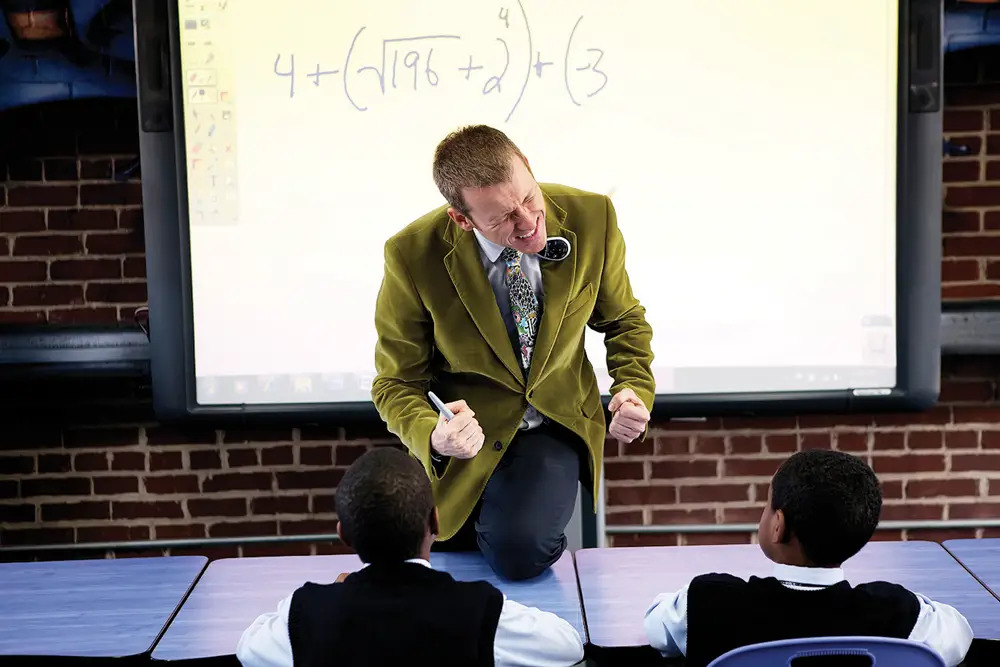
822	508
398	610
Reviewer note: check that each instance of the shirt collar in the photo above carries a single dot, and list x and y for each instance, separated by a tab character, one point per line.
419	561
808	576
490	249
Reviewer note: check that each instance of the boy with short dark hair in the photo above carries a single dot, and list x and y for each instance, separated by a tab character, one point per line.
822	508
397	609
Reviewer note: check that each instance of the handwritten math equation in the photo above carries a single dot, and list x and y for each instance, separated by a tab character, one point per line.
410	63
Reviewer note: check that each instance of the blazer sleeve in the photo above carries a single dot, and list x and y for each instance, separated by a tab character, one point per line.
403	355
622	319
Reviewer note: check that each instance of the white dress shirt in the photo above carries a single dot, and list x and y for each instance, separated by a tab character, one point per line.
496	271
525	636
939	626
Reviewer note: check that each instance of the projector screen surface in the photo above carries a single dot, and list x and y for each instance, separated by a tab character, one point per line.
749	149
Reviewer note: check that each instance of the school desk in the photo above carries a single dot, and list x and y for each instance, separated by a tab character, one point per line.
106	608
981	558
618	584
234	591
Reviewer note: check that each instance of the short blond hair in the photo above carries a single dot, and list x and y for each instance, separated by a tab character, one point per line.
475	156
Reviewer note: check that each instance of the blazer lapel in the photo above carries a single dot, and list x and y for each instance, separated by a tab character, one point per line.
465	267
557	281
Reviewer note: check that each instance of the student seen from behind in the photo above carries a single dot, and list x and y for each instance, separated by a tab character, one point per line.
822	508
397	609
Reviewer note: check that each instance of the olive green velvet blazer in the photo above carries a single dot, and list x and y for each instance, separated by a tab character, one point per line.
439	329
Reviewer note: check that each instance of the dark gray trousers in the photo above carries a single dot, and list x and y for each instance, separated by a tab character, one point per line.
520	521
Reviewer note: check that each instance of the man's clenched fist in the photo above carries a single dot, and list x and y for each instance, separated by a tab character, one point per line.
630	416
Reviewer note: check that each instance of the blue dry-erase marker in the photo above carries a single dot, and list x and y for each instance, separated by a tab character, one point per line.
439	404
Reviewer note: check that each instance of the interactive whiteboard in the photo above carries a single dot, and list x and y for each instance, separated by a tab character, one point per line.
750	150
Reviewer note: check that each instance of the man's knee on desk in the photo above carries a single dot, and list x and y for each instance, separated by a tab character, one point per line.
518	552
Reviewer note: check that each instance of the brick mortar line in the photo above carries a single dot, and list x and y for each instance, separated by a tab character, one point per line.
939	475
72	282
992	233
694	507
204	474
64	258
780	456
784	454
78	157
103	180
364	442
756	510
84	305
948	427
110	180
180	449
35	233
207	520
134	496
284	467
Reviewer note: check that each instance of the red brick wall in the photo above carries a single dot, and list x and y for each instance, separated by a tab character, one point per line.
971	220
941	464
148	482
71	239
71	231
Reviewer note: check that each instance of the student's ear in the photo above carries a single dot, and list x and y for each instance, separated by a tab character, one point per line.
433	522
340	534
460	219
779	533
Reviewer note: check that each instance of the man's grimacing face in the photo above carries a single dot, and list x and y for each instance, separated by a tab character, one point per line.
510	214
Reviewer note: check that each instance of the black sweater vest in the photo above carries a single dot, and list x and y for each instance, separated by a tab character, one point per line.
399	614
725	612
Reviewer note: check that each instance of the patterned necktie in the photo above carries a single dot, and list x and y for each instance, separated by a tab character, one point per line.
523	304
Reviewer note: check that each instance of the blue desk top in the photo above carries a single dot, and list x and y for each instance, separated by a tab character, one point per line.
234	591
981	558
91	608
925	567
619	584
